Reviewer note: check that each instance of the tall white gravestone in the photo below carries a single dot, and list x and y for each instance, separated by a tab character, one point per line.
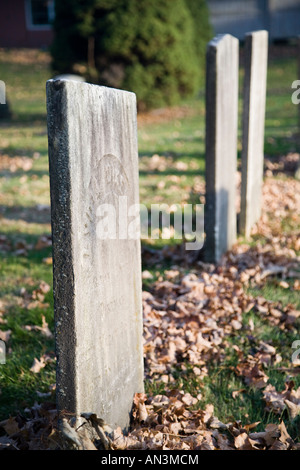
254	97
93	161
222	67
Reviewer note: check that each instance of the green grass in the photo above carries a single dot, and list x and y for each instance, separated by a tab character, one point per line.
175	176
281	113
221	381
272	291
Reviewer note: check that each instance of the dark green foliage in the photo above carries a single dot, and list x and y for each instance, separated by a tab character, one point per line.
155	49
203	31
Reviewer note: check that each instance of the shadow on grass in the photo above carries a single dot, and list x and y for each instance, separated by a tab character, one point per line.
20	173
32	214
20	118
171	171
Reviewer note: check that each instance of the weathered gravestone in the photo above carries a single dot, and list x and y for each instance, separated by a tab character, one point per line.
2	352
2	92
222	65
93	160
4	106
254	103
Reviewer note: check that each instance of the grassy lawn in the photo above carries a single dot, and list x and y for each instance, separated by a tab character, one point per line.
171	148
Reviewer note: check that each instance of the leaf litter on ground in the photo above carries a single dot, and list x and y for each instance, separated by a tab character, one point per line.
192	313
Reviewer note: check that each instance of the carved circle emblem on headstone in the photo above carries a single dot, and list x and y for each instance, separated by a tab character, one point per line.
112	179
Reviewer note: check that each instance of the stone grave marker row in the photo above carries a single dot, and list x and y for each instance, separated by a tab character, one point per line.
222	77
93	162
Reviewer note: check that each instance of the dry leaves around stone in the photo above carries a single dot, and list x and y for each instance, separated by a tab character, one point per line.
163	422
189	318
